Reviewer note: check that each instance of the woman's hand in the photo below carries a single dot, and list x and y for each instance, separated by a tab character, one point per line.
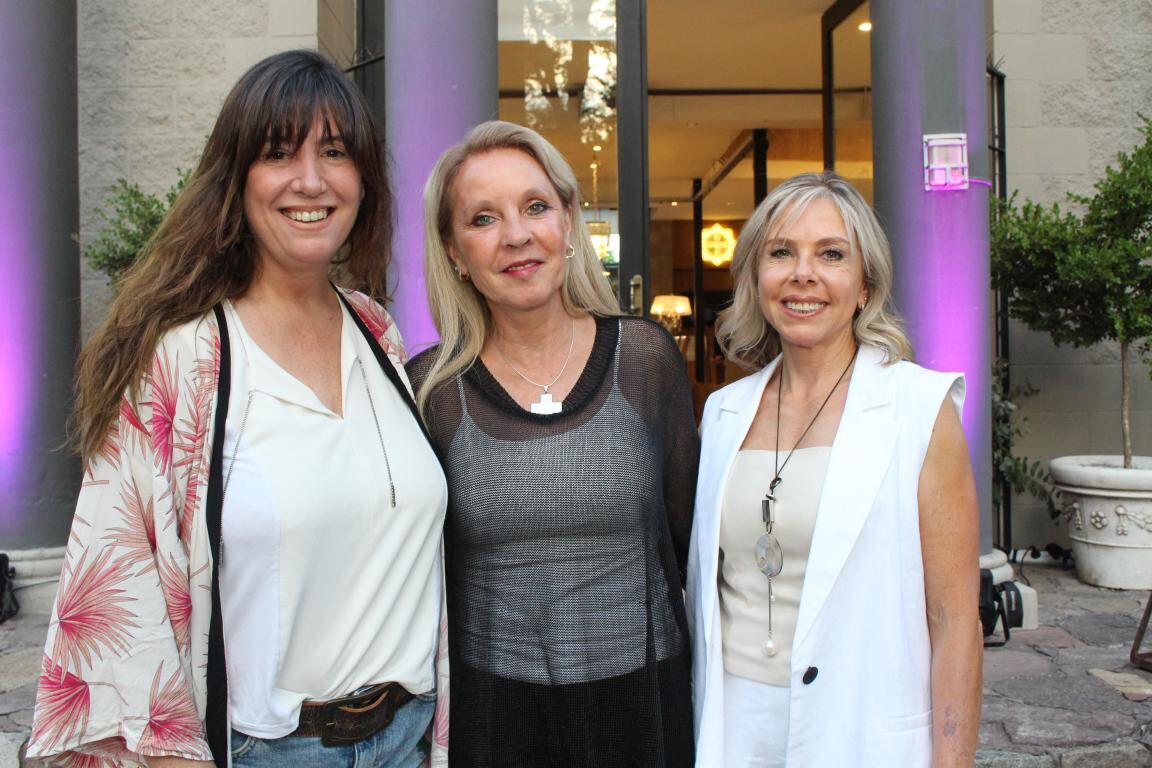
949	541
176	762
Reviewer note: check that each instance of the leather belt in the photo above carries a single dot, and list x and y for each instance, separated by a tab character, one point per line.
352	718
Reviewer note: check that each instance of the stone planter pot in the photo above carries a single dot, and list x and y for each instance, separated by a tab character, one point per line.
1109	514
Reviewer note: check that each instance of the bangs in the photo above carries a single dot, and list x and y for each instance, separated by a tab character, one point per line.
285	111
790	210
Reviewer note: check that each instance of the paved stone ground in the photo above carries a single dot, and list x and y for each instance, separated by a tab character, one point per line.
1061	696
1064	695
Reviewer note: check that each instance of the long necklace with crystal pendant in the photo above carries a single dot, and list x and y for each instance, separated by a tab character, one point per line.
769	555
545	405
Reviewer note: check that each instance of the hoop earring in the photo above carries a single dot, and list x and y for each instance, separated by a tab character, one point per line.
461	274
570	252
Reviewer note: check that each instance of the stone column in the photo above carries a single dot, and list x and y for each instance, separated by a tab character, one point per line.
928	71
440	82
39	281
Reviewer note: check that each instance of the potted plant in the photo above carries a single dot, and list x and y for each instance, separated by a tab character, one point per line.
1085	278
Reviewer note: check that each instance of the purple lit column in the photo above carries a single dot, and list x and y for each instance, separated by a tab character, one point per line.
39	271
928	70
440	81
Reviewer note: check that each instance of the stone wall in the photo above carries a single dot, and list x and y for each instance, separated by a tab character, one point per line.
152	76
1077	72
337	30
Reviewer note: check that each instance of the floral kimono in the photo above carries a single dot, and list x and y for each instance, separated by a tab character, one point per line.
133	663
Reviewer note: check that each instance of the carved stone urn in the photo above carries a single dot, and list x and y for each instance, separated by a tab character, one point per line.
1109	513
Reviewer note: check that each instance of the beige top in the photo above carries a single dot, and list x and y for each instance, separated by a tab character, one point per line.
743	588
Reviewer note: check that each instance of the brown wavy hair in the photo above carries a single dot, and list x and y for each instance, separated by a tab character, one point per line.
202	252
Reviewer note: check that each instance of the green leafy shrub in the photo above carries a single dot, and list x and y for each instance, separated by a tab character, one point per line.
1085	278
130	217
1022	475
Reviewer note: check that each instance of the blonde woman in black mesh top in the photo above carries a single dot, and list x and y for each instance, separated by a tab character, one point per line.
571	451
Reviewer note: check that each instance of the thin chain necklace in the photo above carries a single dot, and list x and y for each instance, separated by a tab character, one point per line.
248	407
769	555
545	405
375	420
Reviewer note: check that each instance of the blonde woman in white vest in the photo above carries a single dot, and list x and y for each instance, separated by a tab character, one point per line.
832	578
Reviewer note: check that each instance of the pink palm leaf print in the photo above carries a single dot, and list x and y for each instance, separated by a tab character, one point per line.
138	534
61	706
130	427
192	436
377	321
165	391
106	753
173	724
174	583
110	448
90	616
208	368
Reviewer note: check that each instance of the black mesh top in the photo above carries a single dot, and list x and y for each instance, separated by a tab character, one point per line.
567	539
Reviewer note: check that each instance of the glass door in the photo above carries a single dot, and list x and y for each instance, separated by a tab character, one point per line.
847	92
557	74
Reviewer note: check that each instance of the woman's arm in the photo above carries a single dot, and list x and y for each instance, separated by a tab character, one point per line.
681	447
949	540
113	679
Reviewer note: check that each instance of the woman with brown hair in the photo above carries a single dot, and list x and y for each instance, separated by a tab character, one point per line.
253	576
568	439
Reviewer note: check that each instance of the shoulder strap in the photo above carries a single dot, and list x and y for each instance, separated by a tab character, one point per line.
386	365
216	710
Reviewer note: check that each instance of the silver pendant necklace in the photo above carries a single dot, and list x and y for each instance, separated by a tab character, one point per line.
769	555
545	405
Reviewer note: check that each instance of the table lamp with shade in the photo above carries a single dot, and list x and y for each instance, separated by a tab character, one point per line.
669	309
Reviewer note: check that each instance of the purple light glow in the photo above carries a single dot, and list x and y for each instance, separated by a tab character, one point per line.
39	280
946	304
19	355
446	84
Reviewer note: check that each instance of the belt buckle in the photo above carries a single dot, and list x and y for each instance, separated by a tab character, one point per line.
330	710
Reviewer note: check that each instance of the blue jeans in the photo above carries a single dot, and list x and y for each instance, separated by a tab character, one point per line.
397	746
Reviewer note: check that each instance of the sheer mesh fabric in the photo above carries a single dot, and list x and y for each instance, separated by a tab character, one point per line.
567	538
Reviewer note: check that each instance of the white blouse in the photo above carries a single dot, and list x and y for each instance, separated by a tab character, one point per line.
324	586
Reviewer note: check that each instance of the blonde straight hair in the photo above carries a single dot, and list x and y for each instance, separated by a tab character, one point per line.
459	311
742	331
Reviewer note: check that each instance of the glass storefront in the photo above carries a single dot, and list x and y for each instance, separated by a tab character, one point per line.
735	104
557	76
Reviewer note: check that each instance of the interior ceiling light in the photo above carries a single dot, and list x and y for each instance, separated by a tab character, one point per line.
865	26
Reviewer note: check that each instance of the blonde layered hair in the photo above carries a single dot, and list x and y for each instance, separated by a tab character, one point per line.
460	312
742	331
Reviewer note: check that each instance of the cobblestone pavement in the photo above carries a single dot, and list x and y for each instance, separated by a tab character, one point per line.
1064	695
1060	696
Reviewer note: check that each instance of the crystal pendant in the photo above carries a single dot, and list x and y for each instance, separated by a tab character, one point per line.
769	558
769	648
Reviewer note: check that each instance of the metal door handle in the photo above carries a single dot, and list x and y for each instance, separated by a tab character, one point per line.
636	295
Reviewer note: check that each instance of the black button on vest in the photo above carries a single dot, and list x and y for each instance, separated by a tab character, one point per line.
810	675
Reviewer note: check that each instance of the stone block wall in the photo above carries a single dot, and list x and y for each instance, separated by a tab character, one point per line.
152	76
1077	73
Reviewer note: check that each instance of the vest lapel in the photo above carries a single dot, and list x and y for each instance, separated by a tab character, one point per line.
725	435
857	465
